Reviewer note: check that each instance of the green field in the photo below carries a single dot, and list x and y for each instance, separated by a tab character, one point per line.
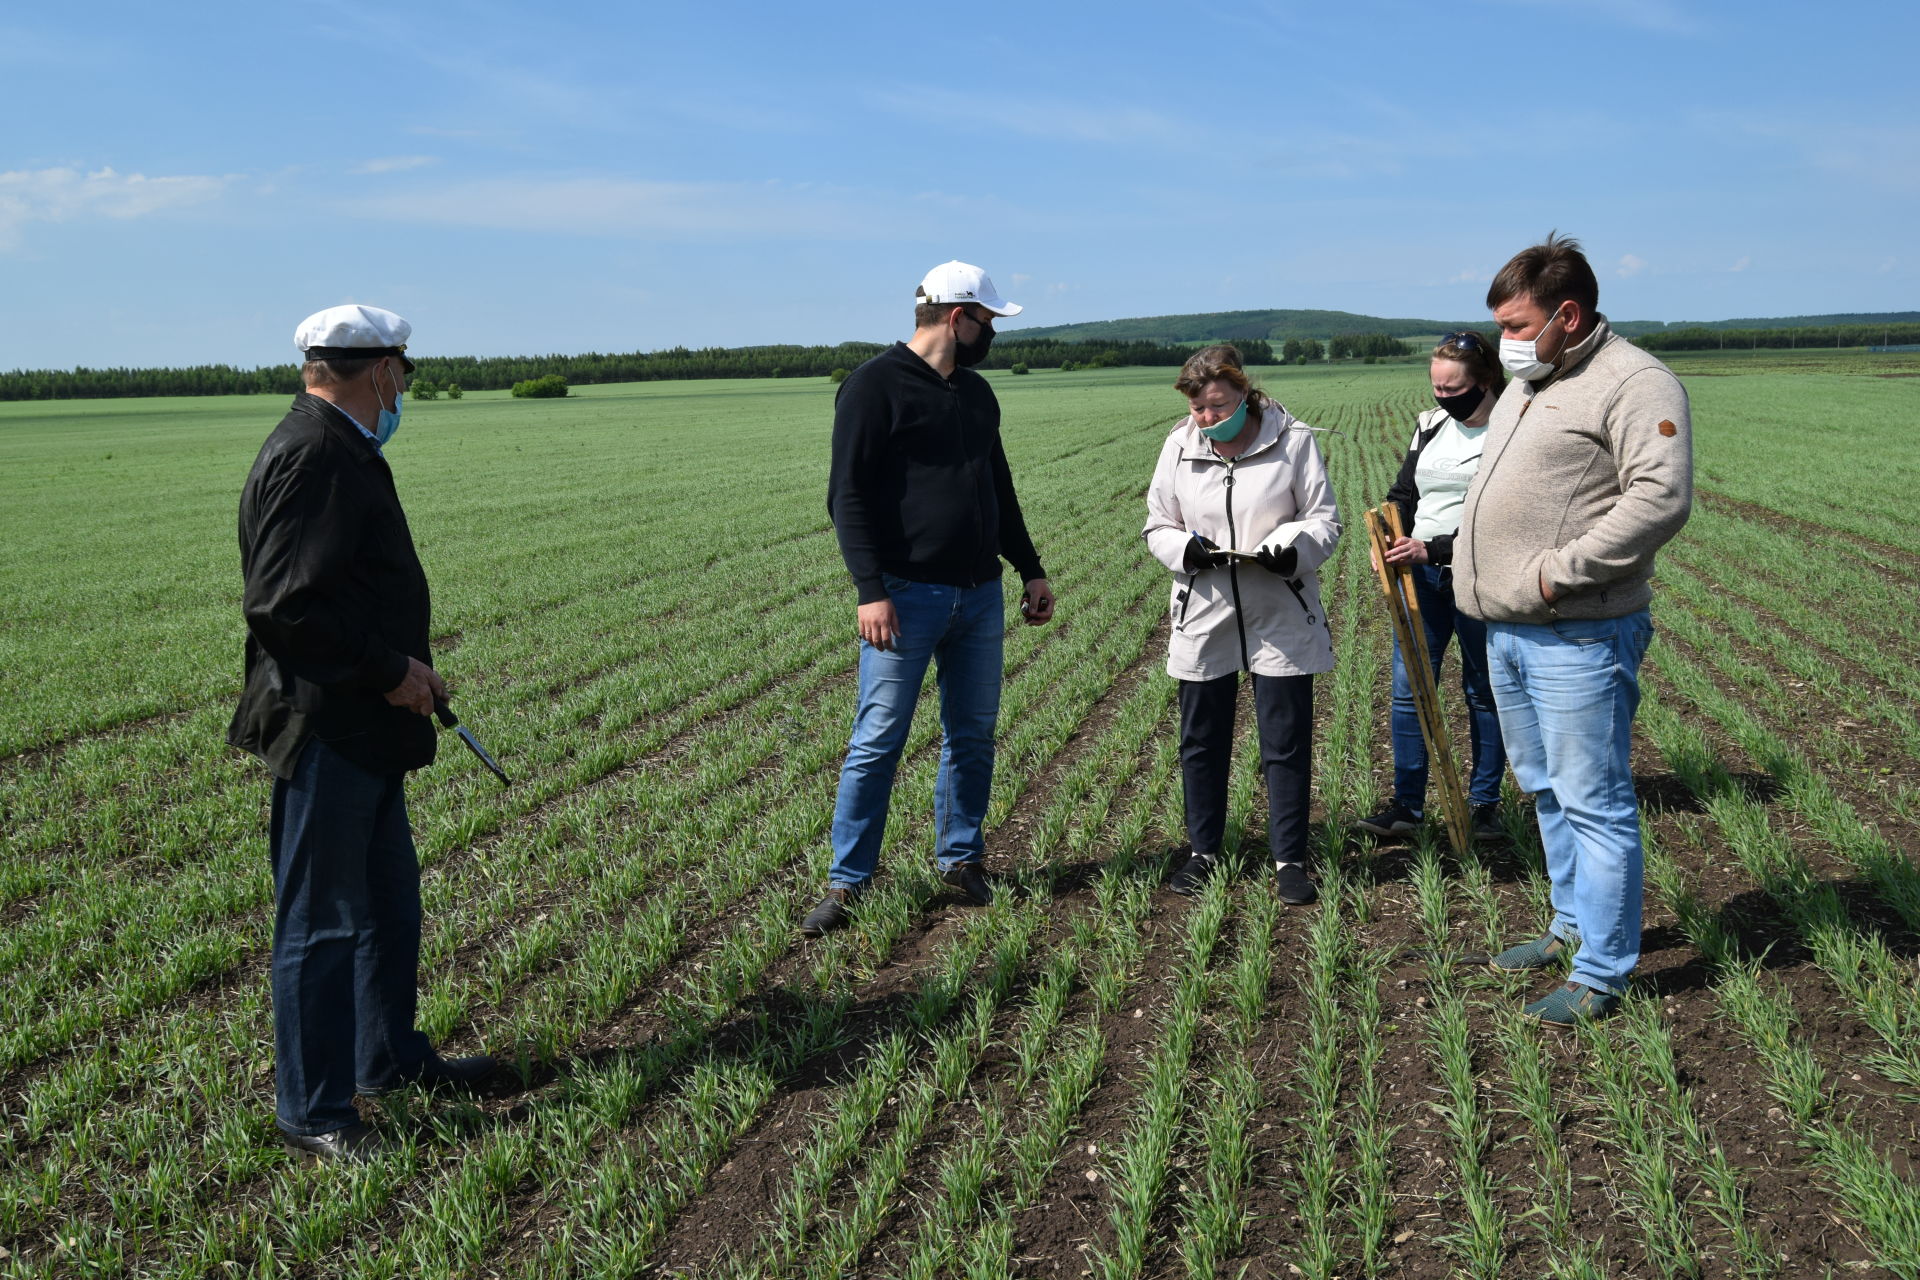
639	606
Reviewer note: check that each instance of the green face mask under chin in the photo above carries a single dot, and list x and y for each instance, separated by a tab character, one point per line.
1227	428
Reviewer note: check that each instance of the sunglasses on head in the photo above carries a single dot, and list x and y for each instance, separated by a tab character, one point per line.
1464	340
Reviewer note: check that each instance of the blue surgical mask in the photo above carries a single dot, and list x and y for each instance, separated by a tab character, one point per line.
1227	428
389	421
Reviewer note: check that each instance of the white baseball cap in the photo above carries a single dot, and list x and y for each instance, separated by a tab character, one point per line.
962	282
353	332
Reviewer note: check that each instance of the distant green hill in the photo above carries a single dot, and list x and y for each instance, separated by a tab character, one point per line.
1279	325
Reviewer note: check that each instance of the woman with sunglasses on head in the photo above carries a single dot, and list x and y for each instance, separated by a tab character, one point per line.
1430	491
1241	510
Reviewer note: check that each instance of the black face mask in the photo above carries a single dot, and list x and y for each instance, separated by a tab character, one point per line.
1461	407
968	354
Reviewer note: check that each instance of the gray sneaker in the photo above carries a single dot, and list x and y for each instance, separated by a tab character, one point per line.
1486	823
1535	953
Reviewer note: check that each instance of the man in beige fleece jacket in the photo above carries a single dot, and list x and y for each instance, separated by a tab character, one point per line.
1587	472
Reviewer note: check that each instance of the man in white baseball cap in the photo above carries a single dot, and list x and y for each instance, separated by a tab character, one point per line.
923	504
339	690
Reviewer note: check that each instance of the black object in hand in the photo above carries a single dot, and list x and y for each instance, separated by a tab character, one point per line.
1204	553
1282	562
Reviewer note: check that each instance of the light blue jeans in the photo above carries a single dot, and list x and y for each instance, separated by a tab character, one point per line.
960	630
1567	692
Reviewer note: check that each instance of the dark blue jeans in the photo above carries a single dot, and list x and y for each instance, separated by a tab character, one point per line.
1433	588
346	938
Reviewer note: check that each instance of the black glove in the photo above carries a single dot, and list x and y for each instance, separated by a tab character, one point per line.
1204	553
1282	562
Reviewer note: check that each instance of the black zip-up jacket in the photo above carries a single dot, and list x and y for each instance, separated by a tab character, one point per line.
920	486
335	599
1405	494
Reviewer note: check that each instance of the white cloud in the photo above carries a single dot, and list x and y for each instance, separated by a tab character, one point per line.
627	207
1020	277
61	195
394	164
1648	15
645	209
1630	265
1879	155
1470	276
1741	265
1062	118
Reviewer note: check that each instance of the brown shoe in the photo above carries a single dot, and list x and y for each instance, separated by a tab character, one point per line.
831	914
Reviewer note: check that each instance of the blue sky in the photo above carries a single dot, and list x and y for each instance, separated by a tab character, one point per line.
181	184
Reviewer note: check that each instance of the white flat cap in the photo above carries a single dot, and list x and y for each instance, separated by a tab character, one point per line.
352	332
963	282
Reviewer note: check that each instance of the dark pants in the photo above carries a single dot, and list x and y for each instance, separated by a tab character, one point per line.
346	938
1283	712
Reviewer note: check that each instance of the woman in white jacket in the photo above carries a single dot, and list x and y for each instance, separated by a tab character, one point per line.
1241	510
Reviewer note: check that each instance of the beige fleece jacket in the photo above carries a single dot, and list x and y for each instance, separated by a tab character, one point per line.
1584	477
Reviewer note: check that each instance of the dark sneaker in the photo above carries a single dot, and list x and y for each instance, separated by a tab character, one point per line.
1291	883
971	882
831	914
434	1072
1193	875
1572	1004
1535	953
1486	823
1394	820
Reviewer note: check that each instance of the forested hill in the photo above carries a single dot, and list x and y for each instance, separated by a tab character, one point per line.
1279	325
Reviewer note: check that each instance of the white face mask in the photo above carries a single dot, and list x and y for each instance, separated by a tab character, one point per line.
1520	357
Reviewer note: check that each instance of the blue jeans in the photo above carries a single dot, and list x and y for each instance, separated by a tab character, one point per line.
1567	692
1433	588
346	938
960	629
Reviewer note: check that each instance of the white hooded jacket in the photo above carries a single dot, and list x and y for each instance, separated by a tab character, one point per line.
1244	617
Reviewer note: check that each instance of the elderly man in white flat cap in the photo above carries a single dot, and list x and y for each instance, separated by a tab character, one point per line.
923	504
339	690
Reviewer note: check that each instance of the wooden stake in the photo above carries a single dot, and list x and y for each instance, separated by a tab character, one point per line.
1410	631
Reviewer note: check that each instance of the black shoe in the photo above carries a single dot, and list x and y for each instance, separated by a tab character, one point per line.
1194	874
971	882
1290	881
355	1144
1486	823
454	1073
831	914
1394	820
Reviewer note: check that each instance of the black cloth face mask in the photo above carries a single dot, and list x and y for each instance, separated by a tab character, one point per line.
1461	407
968	354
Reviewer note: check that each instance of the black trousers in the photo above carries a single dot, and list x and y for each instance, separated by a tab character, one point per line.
1283	711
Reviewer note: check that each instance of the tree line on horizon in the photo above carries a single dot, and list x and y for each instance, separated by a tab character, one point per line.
496	373
1701	338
